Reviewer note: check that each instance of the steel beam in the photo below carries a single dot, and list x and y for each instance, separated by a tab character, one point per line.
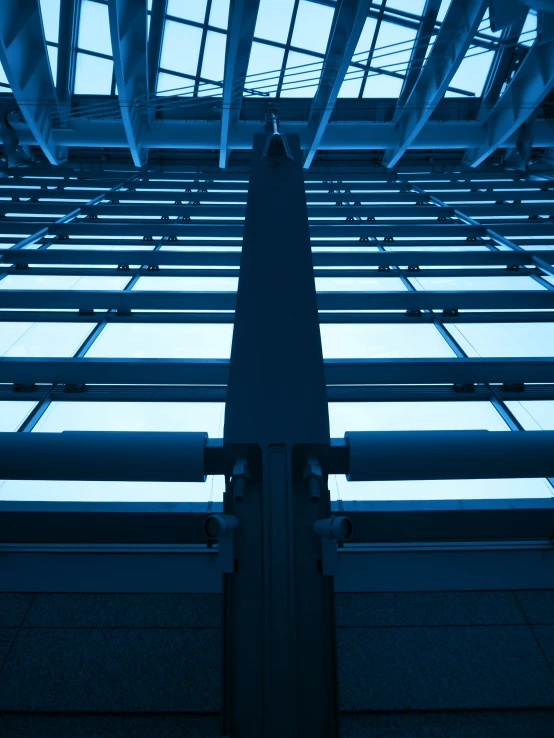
361	135
425	32
240	34
226	301
453	41
530	85
25	60
128	31
215	371
77	257
348	24
288	627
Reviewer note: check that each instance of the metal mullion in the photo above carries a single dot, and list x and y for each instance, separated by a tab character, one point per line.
202	47
380	14
287	49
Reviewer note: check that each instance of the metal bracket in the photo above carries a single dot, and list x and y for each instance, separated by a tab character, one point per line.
276	145
332	530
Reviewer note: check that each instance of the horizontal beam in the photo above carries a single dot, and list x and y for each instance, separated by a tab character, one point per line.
158	300
338	136
215	371
78	257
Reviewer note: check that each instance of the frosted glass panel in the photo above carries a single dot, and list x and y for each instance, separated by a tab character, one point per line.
359	284
133	416
42	339
359	341
504	339
13	413
187	284
533	414
63	282
165	341
513	284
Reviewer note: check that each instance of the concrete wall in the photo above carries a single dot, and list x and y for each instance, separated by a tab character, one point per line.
412	664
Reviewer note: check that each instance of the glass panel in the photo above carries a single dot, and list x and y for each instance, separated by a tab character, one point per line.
359	341
178	417
174	85
164	341
302	75
187	284
94	28
391	416
472	73
392	52
351	85
407	6
219	13
529	31
359	284
264	59
194	11
50	11
273	20
93	75
13	413
48	282
513	284
312	26
53	57
42	339
533	414
504	339
213	62
181	47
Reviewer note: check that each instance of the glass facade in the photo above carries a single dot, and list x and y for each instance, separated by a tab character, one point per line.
413	266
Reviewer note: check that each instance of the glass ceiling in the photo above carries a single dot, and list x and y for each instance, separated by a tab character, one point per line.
288	51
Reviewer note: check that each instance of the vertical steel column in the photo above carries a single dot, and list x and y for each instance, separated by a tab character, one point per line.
279	670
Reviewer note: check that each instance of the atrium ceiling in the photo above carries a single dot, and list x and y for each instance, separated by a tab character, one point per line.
347	75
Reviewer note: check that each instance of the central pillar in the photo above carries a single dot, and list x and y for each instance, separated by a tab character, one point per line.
279	660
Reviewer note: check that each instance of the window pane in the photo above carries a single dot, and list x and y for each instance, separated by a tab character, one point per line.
513	284
533	414
194	11
187	284
164	341
50	11
214	56
42	339
219	13
273	20
181	47
93	75
312	26
53	57
13	413
359	284
133	416
359	341
94	28
504	339
302	75
48	282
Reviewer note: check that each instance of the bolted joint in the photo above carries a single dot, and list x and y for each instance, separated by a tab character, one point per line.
240	477
313	475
